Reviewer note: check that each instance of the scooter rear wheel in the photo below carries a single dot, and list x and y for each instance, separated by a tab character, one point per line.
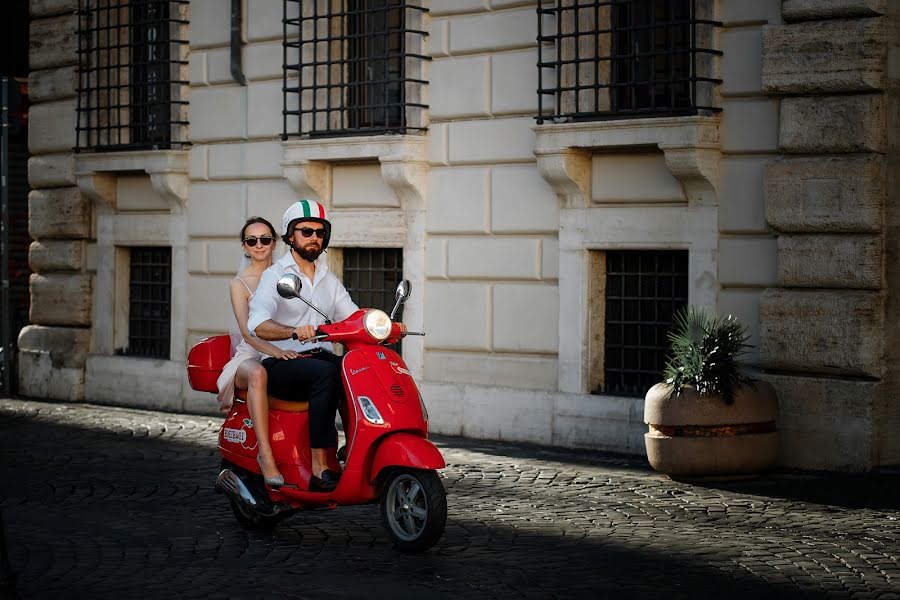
414	509
245	515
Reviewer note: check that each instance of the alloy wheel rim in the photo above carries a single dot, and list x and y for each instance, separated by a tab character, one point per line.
407	507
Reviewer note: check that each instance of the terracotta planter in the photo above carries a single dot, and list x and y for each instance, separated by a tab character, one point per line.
693	436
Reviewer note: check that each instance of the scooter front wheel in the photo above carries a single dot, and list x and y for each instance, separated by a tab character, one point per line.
414	509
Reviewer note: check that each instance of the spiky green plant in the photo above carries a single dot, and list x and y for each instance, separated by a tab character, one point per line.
705	349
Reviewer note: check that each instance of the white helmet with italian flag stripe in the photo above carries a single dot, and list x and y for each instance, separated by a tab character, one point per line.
304	210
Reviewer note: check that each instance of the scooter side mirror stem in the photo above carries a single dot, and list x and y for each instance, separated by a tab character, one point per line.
404	289
289	286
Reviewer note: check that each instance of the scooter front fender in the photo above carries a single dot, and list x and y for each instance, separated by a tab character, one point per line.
406	450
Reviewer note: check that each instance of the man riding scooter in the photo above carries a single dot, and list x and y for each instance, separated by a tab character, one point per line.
292	326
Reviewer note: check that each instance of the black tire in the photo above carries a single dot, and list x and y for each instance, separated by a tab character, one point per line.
250	519
413	509
247	516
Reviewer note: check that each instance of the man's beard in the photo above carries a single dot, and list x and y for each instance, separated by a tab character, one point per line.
309	254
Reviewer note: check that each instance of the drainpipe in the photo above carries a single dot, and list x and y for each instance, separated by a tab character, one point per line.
236	20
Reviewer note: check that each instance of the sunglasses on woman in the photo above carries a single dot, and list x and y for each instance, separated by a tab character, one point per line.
309	231
264	240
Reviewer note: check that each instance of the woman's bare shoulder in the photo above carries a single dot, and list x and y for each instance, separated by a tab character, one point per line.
247	280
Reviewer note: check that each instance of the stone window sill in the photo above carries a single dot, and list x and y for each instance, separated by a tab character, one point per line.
403	159
168	170
690	144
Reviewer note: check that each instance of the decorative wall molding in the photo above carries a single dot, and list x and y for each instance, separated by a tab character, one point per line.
568	171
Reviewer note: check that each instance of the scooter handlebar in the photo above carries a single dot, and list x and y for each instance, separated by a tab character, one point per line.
315	338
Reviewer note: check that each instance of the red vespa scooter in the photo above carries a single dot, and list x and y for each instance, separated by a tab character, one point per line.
387	455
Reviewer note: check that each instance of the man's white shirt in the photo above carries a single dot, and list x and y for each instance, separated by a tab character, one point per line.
325	291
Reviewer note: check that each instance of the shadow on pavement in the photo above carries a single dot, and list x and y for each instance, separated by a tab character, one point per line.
99	513
878	490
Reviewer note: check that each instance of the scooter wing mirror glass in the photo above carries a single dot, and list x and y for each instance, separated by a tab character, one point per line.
289	286
404	289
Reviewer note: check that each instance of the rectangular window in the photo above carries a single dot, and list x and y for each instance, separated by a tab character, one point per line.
625	58
149	73
371	276
651	58
643	291
132	84
149	302
353	67
376	64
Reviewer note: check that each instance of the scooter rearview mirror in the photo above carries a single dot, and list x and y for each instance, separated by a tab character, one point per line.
404	289
289	286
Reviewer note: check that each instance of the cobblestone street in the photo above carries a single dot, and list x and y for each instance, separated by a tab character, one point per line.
103	502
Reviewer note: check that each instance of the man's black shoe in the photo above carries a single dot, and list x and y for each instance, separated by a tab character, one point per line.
326	483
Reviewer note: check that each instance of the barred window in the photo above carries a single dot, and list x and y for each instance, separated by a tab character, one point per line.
644	290
353	67
132	74
371	276
149	302
625	58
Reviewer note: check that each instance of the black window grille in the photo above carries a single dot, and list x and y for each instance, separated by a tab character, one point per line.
149	302
371	276
132	66
351	67
644	289
625	58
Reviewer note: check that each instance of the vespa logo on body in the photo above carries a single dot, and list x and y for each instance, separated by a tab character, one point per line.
359	370
399	370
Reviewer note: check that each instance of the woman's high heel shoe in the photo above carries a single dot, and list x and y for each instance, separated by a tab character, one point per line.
276	481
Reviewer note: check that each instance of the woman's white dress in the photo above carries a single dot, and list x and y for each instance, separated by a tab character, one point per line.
242	352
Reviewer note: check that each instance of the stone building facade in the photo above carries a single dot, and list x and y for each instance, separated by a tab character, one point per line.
780	200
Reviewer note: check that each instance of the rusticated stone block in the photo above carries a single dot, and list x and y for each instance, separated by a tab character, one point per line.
58	213
51	126
38	378
68	346
827	56
809	10
825	194
51	361
830	332
56	255
47	8
53	42
60	299
826	424
52	84
831	124
830	261
51	170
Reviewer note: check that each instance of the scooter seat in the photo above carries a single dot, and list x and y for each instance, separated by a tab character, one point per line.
276	403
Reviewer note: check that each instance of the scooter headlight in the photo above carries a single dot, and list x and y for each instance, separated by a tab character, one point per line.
378	324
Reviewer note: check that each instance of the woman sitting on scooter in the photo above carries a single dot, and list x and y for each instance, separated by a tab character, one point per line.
244	370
